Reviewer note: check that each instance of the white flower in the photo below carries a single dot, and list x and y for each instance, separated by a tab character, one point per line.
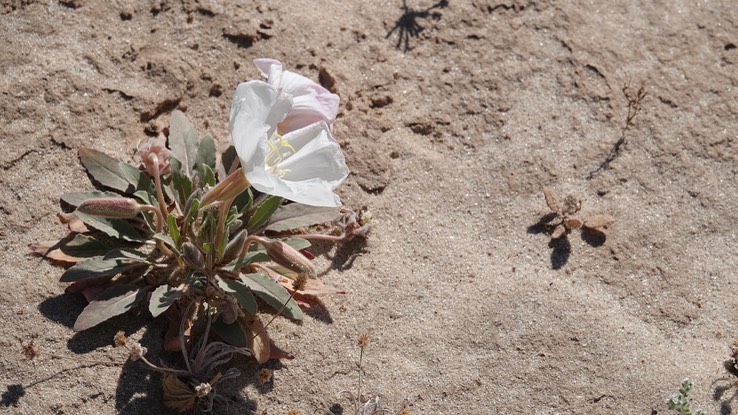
303	165
311	102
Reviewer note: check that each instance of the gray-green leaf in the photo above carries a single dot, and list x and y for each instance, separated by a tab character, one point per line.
104	169
162	298
240	292
101	266
183	140
114	301
117	228
273	294
296	215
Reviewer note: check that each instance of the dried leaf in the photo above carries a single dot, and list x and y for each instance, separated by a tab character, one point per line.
551	201
114	301
70	251
162	298
177	395
598	222
273	294
104	169
260	343
573	223
313	286
296	215
277	353
183	140
558	232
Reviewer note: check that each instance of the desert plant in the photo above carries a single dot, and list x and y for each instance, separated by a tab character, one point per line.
202	241
562	219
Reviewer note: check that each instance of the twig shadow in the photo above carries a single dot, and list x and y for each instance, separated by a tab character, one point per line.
407	24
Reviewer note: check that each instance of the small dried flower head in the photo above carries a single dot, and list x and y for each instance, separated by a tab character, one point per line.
299	283
31	350
155	153
264	375
289	257
202	390
363	340
572	205
137	351
120	339
110	207
293	412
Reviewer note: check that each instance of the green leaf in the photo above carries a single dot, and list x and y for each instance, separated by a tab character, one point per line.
296	215
231	333
180	181
173	229
240	292
273	294
163	297
104	169
144	196
101	266
206	152
117	228
263	212
114	301
183	140
167	241
76	198
136	178
206	175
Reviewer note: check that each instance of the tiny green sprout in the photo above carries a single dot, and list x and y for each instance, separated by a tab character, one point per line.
680	403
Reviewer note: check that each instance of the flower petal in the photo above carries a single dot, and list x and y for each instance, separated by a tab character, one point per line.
307	176
312	102
257	109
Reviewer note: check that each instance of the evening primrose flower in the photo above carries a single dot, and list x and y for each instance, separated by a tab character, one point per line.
303	165
311	102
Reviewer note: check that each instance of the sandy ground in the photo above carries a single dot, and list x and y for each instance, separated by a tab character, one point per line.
453	115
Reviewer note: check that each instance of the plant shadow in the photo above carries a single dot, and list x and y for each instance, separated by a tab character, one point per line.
407	25
561	247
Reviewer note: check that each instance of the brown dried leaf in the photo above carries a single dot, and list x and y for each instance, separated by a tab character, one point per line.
558	232
260	342
73	222
573	223
276	352
598	222
551	200
177	395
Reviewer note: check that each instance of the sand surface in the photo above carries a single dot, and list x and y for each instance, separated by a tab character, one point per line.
453	115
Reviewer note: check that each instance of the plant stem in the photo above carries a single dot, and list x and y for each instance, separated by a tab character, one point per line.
157	182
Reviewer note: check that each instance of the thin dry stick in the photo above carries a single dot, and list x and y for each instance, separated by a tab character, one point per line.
634	106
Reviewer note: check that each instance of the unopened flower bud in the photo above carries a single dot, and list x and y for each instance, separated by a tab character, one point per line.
110	207
234	247
155	147
193	256
289	257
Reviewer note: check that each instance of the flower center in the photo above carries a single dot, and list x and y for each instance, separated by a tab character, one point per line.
279	150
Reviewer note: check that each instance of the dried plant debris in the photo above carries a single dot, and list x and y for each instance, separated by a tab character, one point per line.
562	219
